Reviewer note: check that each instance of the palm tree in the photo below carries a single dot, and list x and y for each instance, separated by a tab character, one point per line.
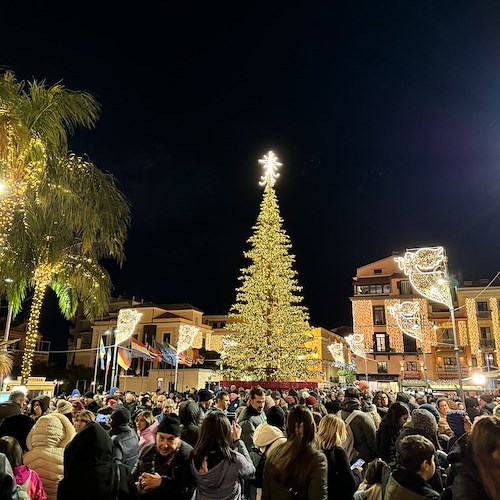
35	121
58	239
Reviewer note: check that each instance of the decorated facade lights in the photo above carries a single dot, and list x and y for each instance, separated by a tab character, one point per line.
409	320
185	338
427	271
337	351
357	345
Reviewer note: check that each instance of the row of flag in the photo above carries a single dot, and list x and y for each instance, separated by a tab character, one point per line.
157	352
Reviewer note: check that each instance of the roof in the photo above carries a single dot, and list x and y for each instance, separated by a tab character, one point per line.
179	307
481	283
167	315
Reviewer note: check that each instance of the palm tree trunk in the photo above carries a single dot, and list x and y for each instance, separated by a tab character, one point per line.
7	206
43	275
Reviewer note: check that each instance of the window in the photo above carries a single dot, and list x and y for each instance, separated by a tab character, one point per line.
378	315
409	344
482	306
411	366
373	289
450	361
381	366
377	271
485	332
387	288
166	338
380	342
447	335
488	359
404	287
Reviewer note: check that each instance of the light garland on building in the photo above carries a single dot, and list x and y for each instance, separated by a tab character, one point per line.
495	320
392	327
462	332
126	323
426	269
198	340
213	342
473	327
187	334
362	315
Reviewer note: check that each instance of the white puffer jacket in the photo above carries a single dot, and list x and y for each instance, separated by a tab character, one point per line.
46	442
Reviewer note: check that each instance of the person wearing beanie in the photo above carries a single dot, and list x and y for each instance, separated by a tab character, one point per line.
486	404
205	400
310	401
39	407
276	418
163	470
90	403
457	420
65	408
124	437
290	400
471	408
432	409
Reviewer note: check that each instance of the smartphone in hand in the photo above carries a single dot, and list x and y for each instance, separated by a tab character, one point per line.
358	463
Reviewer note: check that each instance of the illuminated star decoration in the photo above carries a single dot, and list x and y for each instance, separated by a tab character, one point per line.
187	333
126	323
270	164
357	344
407	316
426	269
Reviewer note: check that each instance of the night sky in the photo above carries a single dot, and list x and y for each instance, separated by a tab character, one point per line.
386	116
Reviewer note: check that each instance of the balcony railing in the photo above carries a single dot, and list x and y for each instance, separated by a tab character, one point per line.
487	343
451	370
484	314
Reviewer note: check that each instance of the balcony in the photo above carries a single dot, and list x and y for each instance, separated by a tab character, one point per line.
411	374
487	343
448	371
483	314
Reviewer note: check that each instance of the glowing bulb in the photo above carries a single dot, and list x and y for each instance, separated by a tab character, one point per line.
270	164
478	379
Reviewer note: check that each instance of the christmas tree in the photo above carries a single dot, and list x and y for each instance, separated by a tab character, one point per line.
268	325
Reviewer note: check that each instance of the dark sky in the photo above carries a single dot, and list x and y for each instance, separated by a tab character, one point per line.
386	116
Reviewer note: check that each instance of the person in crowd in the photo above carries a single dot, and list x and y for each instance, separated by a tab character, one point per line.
77	407
221	402
361	426
107	407
160	399
275	417
296	469
320	409
370	409
486	404
146	427
163	470
415	466
342	481
13	406
389	430
458	421
124	437
443	408
382	402
267	437
8	486
46	442
268	402
478	472
190	417
90	403
168	407
82	418
130	403
28	481
205	400
471	408
234	403
496	411
65	408
39	407
252	415
371	487
219	462
17	426
88	461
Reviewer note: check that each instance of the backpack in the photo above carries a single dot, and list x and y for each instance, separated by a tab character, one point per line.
259	468
348	444
22	489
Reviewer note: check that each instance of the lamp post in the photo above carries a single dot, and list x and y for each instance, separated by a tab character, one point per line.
409	320
427	271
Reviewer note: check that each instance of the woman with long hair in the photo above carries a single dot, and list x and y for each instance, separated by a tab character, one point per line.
443	409
389	429
342	481
220	459
82	418
296	469
478	474
383	402
146	427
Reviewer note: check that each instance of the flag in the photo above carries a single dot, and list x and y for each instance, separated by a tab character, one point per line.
139	350
168	354
102	353
184	360
124	358
197	357
155	354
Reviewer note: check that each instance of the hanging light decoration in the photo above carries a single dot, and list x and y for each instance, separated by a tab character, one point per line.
187	333
126	323
356	344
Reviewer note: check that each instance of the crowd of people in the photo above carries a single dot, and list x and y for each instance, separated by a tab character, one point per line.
252	444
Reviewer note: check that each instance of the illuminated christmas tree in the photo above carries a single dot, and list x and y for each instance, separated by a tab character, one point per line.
268	324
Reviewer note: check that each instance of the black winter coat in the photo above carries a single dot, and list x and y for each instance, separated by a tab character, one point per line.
386	441
89	469
125	445
342	481
177	482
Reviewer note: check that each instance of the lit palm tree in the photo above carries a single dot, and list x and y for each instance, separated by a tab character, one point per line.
58	239
35	121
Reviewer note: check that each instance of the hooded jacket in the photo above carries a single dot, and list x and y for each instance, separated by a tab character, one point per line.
124	437
34	486
223	482
46	442
408	485
89	468
17	426
148	435
249	419
363	430
190	417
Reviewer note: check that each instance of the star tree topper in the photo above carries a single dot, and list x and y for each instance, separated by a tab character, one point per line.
270	164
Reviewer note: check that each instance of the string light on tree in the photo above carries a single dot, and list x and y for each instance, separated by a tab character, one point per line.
268	328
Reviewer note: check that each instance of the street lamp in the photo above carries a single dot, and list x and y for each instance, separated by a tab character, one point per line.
428	273
409	320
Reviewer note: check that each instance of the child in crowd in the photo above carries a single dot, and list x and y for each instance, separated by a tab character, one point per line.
29	484
371	487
